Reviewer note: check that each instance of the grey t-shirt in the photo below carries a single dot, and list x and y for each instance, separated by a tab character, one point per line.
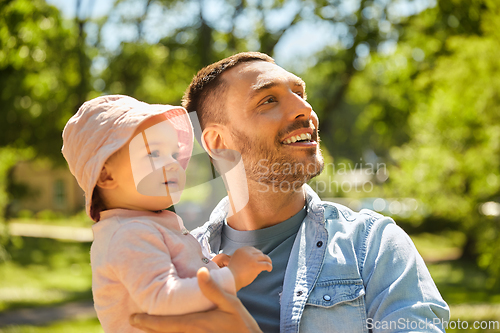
262	297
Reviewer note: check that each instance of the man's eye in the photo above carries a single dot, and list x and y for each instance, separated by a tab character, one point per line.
301	94
154	153
270	100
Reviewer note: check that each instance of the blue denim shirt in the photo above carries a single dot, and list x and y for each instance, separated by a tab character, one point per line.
349	272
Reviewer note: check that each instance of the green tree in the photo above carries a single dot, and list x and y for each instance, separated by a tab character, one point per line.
452	160
437	95
160	72
202	37
373	112
363	93
40	76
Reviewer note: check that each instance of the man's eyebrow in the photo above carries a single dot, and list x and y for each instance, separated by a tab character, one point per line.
257	88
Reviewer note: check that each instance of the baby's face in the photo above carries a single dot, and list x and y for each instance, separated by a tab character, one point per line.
154	154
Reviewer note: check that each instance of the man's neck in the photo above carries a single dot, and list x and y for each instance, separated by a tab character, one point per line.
267	208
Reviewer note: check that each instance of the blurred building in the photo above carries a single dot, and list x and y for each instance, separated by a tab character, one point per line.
41	186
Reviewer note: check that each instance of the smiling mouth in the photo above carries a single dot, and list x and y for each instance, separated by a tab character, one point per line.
304	137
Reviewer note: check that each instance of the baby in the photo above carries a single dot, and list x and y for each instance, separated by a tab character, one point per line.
129	158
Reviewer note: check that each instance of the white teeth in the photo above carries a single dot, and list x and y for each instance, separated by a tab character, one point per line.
303	136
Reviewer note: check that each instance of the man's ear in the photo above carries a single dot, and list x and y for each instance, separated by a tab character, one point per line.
106	180
213	141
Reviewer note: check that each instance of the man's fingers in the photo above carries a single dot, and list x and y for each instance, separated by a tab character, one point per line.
212	290
183	323
230	316
157	324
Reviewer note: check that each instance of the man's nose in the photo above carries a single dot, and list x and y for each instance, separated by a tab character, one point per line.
299	108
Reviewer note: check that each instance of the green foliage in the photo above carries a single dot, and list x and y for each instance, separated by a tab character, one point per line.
367	103
451	162
161	72
39	76
154	73
8	158
49	215
370	27
25	214
67	326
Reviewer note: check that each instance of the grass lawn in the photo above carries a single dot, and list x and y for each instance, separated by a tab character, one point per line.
71	326
44	271
50	218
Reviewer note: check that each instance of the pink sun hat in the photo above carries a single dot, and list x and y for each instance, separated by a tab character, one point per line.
105	124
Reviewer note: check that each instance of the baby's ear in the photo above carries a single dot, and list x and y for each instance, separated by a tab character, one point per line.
106	180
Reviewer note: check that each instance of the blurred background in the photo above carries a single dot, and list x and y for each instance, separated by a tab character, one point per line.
407	93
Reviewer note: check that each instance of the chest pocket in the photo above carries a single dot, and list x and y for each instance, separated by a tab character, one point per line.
335	306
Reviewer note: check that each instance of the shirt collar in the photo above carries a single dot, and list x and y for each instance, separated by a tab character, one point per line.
213	231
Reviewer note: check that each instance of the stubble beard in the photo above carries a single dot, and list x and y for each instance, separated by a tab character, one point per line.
271	166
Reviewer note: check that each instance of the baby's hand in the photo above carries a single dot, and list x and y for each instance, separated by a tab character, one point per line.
246	263
222	259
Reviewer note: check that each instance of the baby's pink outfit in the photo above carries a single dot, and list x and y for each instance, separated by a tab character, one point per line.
145	262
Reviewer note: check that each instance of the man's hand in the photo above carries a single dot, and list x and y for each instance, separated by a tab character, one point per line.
229	316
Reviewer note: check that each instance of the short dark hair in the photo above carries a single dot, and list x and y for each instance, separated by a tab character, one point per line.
205	94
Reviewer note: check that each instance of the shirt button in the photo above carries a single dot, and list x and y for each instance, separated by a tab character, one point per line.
299	293
205	260
327	298
319	244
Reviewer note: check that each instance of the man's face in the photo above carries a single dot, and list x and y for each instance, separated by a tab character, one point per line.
272	125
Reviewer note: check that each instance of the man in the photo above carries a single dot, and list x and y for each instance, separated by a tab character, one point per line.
333	270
